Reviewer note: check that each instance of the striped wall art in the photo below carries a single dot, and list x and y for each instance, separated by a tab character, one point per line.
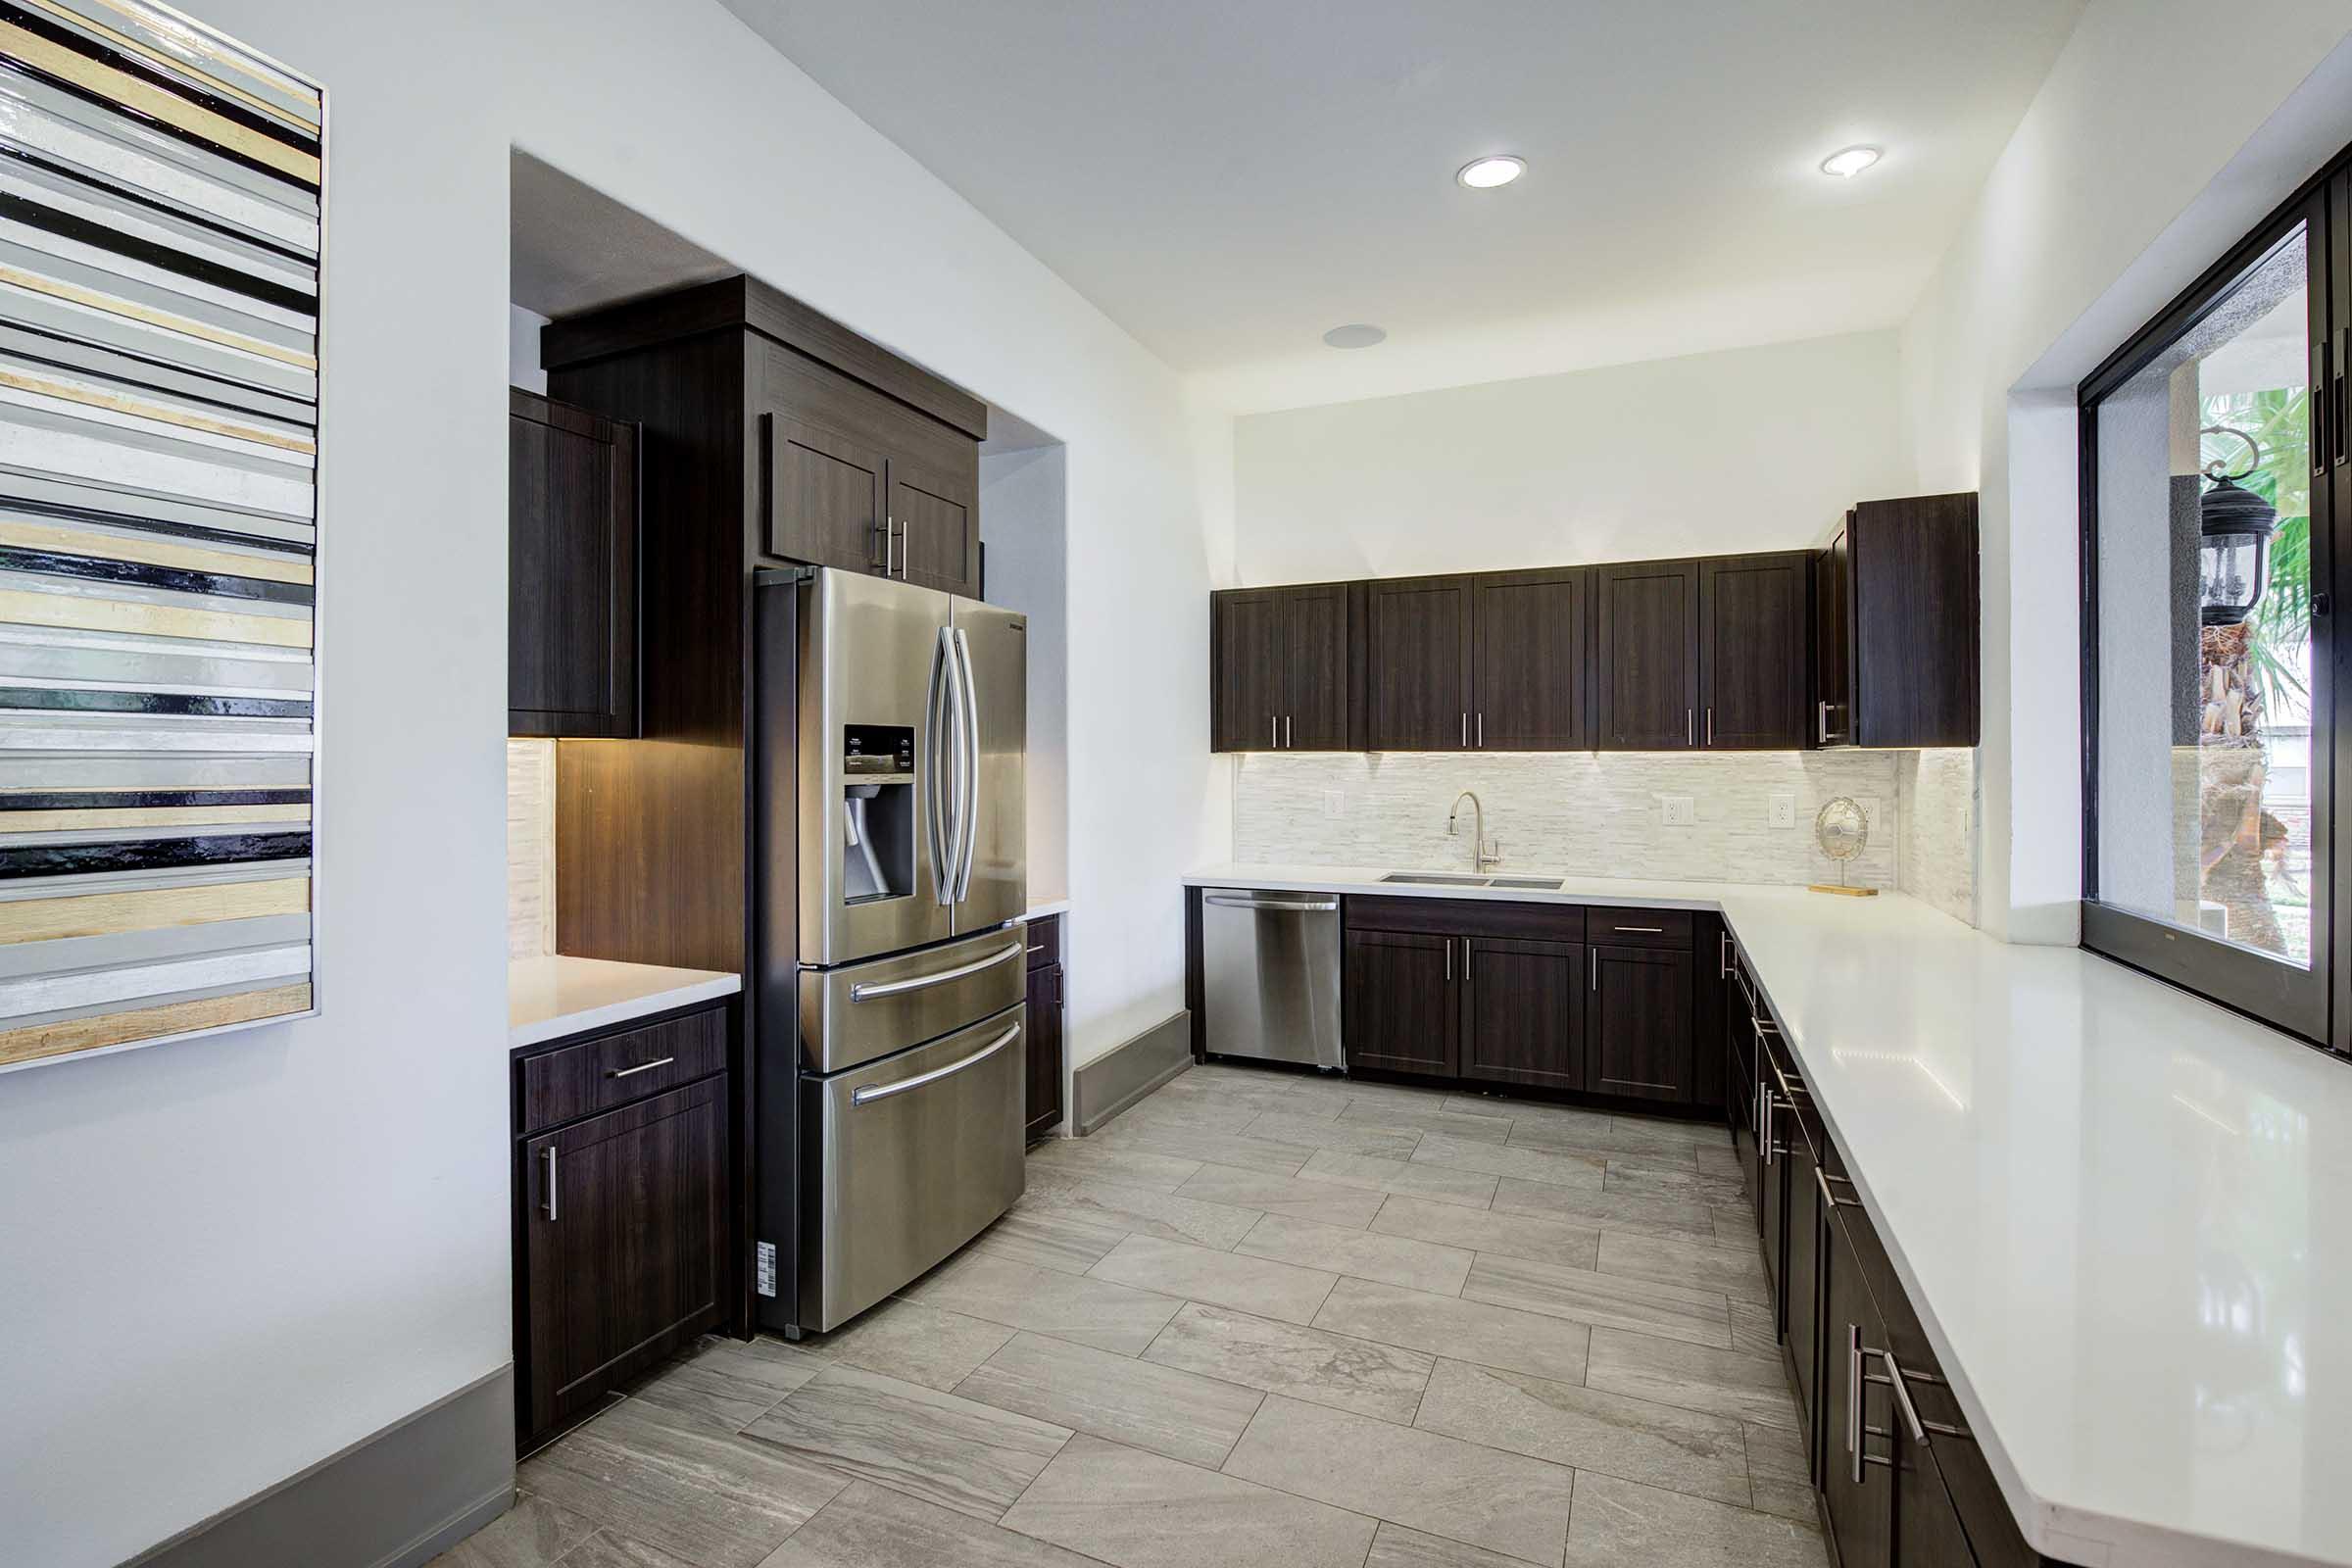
160	199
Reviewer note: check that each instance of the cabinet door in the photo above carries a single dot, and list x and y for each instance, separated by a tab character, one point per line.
572	570
1523	1013
1912	583
1833	713
1927	1532
1754	625
1638	1022
1799	1302
936	514
622	1242
826	501
1419	648
1531	629
1859	1500
1250	639
1403	1003
1646	655
1315	669
1045	1049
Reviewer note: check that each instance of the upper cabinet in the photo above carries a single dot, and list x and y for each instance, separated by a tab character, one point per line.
1530	630
572	570
1419	644
1755	621
1645	673
1898	626
1279	663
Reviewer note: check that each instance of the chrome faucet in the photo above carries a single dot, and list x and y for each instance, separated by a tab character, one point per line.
1485	854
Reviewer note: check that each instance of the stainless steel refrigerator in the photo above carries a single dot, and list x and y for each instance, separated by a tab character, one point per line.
887	940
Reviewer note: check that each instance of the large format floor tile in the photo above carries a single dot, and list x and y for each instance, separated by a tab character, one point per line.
1732	1383
1432	1117
1328	1201
1256	1285
1658	1445
1354	1137
1777	1473
730	1384
1463	1491
957	1452
1047	1240
1619	1524
1541	1240
1366	1256
1444	1325
532	1534
1136	1210
1143	1404
609	1549
1138	1510
1381	1173
1305	1364
873	1527
1588	1205
1248	1153
1731	1269
1068	1306
1105	1162
709	1496
1501	1159
920	1344
1603	1300
1395	1547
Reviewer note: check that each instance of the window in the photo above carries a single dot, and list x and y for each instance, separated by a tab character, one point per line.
2215	503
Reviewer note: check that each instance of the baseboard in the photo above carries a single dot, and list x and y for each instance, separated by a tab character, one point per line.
1126	1073
396	1498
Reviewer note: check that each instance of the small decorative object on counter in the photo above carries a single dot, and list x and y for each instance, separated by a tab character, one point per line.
1842	830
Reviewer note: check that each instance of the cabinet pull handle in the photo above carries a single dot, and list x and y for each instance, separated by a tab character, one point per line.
1465	730
2335	399
1286	732
643	1066
1902	1397
1449	960
2321	425
1829	1200
1723	954
1853	1399
1273	732
1595	954
1466	958
1690	728
549	1155
1710	724
1482	730
1764	1118
1653	930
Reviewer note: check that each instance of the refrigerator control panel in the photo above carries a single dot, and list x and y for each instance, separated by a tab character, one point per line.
870	749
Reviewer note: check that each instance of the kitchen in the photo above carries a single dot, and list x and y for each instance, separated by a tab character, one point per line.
1226	841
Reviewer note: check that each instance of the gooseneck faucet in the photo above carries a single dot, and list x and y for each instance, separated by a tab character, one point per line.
1485	853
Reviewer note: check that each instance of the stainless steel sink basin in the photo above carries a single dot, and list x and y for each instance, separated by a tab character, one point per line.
1463	879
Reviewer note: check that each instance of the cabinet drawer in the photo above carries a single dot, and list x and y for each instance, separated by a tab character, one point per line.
1045	941
616	1068
1639	928
1468	917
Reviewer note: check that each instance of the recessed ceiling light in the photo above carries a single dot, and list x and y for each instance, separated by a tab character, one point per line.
1354	335
1485	174
1847	163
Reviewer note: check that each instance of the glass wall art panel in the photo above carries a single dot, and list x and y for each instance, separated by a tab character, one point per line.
160	202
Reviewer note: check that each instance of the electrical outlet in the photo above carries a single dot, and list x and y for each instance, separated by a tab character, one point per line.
1680	810
1784	810
1335	803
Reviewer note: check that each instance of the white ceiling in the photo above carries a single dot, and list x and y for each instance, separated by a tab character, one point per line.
1230	179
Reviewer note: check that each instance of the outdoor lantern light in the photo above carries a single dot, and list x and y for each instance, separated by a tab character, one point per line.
2234	546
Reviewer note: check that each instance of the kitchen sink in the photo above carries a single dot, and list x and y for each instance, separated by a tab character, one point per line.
1463	879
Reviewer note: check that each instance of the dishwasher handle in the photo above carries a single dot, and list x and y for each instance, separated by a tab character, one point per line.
1319	906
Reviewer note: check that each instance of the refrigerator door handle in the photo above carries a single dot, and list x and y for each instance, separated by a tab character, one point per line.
938	712
968	810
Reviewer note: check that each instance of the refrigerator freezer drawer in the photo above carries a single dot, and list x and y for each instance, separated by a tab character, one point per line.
862	1011
919	1153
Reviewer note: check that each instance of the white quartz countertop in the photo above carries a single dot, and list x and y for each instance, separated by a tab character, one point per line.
547	999
1041	911
2124	1215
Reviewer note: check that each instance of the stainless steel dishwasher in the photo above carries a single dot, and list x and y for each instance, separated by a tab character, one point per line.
1270	974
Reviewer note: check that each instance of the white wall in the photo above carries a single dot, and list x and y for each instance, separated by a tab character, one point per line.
1023	523
2157	141
1750	449
225	1261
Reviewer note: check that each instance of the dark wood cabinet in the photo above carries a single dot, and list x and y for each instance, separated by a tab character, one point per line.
572	570
1531	631
1046	1020
1401	1000
1899	625
1280	661
1857	1496
621	1256
1754	635
936	513
1420	649
826	498
1522	1011
1645	660
1638	1040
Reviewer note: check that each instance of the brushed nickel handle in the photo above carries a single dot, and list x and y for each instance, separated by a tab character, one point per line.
1449	960
1466	958
1829	1200
1273	732
1595	954
1286	732
643	1066
870	1092
889	539
1723	954
1324	905
876	991
1653	930
1710	724
1689	726
1482	730
1822	720
549	1155
1853	1399
1764	1131
1902	1397
1465	731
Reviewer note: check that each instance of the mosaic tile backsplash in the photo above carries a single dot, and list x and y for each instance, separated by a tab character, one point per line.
1603	814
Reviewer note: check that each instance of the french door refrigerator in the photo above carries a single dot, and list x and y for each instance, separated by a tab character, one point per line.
889	777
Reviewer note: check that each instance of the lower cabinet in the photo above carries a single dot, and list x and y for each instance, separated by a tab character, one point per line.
620	1215
1639	1022
1522	1011
1403	1009
1046	997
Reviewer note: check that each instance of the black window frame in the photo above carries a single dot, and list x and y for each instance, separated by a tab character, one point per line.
2314	1005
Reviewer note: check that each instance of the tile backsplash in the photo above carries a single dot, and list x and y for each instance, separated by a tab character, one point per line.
1585	813
530	848
1936	806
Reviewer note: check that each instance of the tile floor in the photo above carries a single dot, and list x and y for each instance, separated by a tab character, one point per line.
1259	1319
